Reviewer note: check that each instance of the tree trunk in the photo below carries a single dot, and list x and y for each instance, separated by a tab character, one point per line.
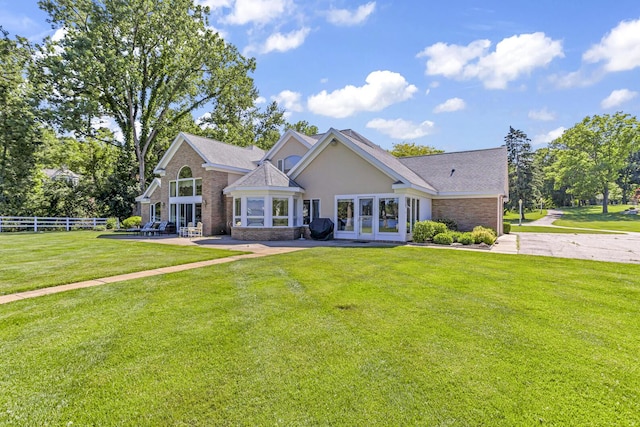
605	200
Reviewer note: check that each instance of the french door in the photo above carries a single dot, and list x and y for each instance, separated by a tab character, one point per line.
366	214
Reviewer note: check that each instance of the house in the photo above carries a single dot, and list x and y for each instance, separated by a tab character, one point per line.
62	174
368	193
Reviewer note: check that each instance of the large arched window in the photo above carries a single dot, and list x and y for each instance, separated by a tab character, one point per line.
186	185
185	172
288	163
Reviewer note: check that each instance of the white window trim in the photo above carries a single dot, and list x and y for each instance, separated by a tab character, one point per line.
399	235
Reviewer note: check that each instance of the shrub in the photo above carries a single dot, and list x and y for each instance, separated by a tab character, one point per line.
466	238
132	222
99	228
450	223
425	230
483	235
442	239
506	226
455	235
111	223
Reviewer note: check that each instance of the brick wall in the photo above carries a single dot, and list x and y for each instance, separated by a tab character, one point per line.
468	212
214	210
265	234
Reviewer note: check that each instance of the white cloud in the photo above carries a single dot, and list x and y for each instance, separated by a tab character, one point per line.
290	100
279	42
618	97
214	4
546	138
256	11
344	17
401	129
450	105
382	88
513	57
619	49
542	115
451	60
260	100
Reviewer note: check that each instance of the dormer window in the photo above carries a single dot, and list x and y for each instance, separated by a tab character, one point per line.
286	164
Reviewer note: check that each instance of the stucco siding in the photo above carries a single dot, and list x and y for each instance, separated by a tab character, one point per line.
338	170
292	147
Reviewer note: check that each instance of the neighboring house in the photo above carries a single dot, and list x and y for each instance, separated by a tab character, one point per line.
62	174
368	193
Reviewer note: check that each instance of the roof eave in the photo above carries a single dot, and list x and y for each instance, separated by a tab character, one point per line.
232	189
402	185
224	168
467	194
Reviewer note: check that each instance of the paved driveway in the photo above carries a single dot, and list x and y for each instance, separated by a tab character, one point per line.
600	247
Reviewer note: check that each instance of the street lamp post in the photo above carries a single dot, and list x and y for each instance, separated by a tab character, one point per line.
520	216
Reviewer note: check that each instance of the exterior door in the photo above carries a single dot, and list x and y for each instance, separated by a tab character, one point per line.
365	218
185	214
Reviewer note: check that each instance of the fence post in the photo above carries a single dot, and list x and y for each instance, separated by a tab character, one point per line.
35	224
94	223
67	223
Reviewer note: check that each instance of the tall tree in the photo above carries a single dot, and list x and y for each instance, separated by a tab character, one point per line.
521	173
242	124
410	149
145	64
629	177
19	129
303	127
591	154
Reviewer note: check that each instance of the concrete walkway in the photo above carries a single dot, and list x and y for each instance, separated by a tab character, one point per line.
505	244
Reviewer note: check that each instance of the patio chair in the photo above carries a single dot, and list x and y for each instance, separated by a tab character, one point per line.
196	231
162	228
138	229
184	231
147	230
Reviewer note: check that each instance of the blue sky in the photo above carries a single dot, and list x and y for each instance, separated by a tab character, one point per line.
453	75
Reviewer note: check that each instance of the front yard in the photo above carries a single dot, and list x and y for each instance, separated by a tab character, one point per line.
39	260
333	336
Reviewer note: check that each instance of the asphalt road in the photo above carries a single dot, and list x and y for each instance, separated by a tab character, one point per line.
600	247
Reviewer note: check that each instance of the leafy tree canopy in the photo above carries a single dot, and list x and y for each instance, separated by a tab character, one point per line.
19	128
591	154
145	64
409	149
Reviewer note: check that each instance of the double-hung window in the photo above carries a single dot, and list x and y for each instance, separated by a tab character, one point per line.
255	211
280	212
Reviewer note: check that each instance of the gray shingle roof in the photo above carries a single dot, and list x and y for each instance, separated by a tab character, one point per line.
387	159
478	171
219	153
265	175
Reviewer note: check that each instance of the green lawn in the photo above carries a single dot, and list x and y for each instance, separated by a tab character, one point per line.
592	217
557	230
38	260
334	336
513	217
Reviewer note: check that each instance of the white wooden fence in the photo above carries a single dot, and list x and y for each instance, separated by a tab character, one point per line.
34	223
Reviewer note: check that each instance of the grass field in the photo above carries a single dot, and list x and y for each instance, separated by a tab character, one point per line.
513	217
333	336
592	217
38	260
